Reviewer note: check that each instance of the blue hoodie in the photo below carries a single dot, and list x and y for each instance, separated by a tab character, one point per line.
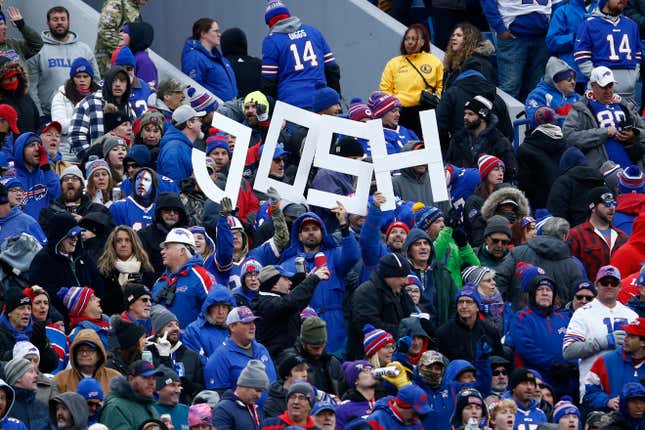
202	336
483	376
41	187
210	69
631	390
529	416
561	36
17	222
328	298
6	422
175	155
441	400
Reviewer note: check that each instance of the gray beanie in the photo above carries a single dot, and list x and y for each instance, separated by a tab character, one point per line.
302	387
161	317
110	142
253	375
497	224
15	368
73	170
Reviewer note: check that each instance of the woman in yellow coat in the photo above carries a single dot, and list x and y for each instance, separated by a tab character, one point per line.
402	76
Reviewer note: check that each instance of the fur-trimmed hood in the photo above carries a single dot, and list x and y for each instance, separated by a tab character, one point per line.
485	48
9	66
491	203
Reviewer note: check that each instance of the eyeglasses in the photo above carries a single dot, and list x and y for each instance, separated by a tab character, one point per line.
541	385
585	297
129	166
500	372
86	351
70	178
501	241
610	203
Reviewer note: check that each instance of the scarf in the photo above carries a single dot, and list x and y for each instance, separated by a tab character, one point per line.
550	130
496	303
100	322
83	90
131	265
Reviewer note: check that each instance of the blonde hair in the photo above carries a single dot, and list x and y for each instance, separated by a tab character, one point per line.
501	405
472	36
92	190
107	260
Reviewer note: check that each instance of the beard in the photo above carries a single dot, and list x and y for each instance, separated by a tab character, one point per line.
74	197
59	34
472	125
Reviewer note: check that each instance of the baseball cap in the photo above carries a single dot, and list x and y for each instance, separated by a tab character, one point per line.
9	113
608	271
74	231
430	357
322	406
170	86
180	235
414	397
602	76
143	368
184	112
279	151
269	272
636	328
52	124
240	314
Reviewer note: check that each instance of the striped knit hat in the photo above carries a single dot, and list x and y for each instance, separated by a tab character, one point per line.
75	299
358	110
275	11
474	274
631	180
487	163
424	217
381	103
564	407
375	339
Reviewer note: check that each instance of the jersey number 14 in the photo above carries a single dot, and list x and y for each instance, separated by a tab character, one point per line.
308	55
623	47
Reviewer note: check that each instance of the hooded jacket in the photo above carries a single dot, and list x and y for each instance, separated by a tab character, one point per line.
68	379
50	67
126	409
548	252
629	206
547	93
41	186
209	68
247	69
141	37
202	336
232	413
411	186
75	404
441	400
562	33
20	99
568	196
174	159
530	415
16	222
629	257
328	298
28	409
7	422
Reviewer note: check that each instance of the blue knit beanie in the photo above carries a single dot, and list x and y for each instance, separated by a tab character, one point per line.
564	407
79	65
274	8
424	217
125	57
217	140
323	97
90	389
526	273
469	290
570	158
631	180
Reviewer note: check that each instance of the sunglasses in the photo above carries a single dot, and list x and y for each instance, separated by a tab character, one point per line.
541	385
502	241
609	282
500	372
585	297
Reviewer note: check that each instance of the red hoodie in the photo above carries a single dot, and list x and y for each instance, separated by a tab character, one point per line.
628	258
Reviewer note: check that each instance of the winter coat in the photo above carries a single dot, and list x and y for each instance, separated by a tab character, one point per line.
19	99
247	69
353	404
210	69
21	50
232	413
404	81
141	37
568	196
590	246
279	323
175	152
189	285
547	93
324	373
41	186
458	341
464	149
411	186
68	379
333	182
28	409
384	418
637	305
187	364
202	336
538	159
489	208
530	415
62	110
284	421
581	129
276	402
36	333
441	400
50	67
77	407
479	61
7	422
629	257
560	38
16	222
124	408
453	257
629	206
328	298
85	206
548	252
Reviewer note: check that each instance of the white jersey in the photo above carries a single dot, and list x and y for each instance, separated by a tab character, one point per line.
511	9
595	321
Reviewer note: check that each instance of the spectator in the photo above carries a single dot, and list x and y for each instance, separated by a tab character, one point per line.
45	386
324	415
18	50
290	77
631	198
548	251
247	69
6	420
610	372
469	405
467	43
81	83
169	388
497	237
560	38
140	155
114	14
208	332
169	96
68	411
387	108
502	415
501	368
13	220
200	417
50	136
129	345
87	123
139	89
203	62
246	293
556	91
522	385
413	184
84	310
227	362
521	51
598	42
138	36
300	400
429	376
238	408
627	258
324	369
481	137
635	303
100	181
491	173
23	377
131	400
361	392
8	131
407	83
92	392
48	69
604	127
406	409
597	327
566	414
292	368
538	158
630	408
493	308
583	293
137	209
174	158
584	237
138	306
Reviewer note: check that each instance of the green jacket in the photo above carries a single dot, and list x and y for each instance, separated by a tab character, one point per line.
124	409
452	257
24	49
114	14
486	259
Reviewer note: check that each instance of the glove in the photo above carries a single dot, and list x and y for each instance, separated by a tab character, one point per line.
44	159
273	195
39	335
459	236
403	344
163	345
484	351
225	207
615	339
400	380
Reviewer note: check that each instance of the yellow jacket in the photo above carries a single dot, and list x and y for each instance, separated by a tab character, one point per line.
402	81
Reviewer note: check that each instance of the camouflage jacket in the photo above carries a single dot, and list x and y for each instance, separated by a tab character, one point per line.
114	14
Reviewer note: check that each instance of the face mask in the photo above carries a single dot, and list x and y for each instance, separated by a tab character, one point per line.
83	90
10	86
430	378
